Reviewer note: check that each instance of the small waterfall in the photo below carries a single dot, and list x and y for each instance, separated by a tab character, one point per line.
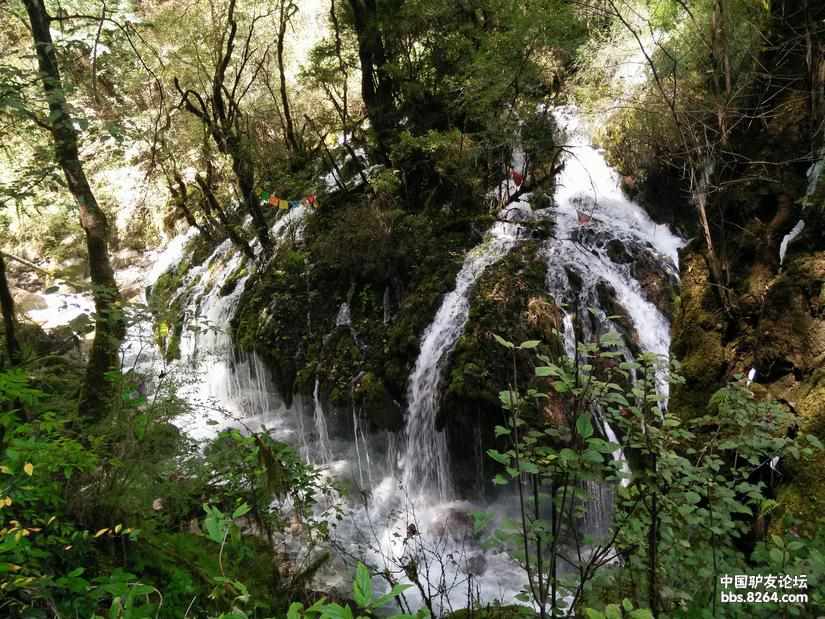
344	317
362	451
222	387
386	303
815	172
324	455
788	239
601	247
426	461
599	235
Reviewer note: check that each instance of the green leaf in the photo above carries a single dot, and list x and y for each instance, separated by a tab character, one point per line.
591	613
362	587
241	510
503	342
529	344
397	590
612	611
336	611
776	555
499	457
294	611
583	426
641	613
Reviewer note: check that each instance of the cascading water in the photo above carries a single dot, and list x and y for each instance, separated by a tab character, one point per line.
426	461
397	520
600	236
324	454
221	386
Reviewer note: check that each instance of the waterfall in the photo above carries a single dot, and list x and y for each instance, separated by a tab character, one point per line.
362	451
406	478
324	452
222	387
426	462
815	172
582	247
599	234
788	239
344	317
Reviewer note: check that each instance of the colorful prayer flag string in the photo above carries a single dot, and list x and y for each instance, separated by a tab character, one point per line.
277	202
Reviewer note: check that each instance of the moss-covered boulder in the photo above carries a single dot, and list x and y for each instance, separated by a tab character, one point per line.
391	268
802	495
510	300
697	341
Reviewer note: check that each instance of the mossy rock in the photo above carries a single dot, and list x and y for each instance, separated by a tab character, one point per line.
377	404
802	496
288	313
166	302
697	341
510	300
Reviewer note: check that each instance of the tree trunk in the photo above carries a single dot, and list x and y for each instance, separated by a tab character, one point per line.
211	204
245	175
286	9
722	69
109	324
7	305
180	194
377	87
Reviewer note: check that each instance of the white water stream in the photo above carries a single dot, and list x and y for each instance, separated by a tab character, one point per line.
403	504
426	459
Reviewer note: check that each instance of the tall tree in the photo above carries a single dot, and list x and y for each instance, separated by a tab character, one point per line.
286	10
221	114
9	327
109	324
377	84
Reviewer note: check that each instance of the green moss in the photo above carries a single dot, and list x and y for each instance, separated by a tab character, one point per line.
697	341
166	302
288	313
510	300
231	282
803	493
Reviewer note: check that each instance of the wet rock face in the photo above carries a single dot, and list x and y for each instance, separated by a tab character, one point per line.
639	260
455	524
658	286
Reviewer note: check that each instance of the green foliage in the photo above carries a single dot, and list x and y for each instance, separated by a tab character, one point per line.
683	511
65	504
362	595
